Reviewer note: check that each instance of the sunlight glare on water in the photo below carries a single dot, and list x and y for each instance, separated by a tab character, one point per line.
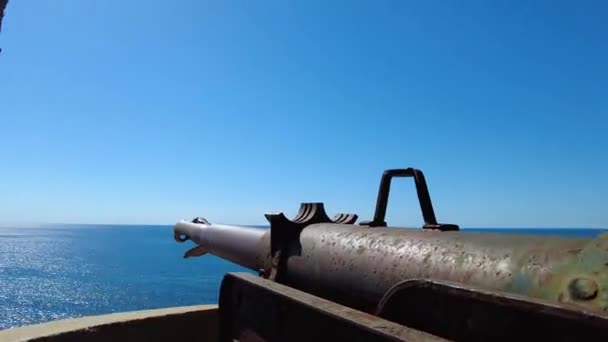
53	273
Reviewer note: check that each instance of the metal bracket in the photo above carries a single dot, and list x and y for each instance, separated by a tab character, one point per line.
424	198
464	313
256	309
283	231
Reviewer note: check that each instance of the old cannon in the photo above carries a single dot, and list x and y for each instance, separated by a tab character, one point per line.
322	278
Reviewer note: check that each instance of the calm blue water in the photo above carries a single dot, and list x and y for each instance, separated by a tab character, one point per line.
59	272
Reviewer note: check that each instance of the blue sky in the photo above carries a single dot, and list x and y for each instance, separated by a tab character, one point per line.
133	112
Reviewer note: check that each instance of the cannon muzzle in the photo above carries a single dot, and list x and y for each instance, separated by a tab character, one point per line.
245	246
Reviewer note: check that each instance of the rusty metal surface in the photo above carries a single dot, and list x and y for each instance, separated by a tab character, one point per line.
465	313
284	231
358	265
257	309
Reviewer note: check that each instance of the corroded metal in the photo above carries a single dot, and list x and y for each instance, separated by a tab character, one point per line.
257	309
356	265
454	284
284	231
367	262
466	313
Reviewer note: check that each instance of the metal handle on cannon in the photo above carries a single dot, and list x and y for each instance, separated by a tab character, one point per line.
424	198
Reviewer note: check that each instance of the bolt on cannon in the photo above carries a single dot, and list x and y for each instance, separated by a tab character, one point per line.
334	279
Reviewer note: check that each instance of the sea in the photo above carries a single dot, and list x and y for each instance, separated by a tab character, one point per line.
63	271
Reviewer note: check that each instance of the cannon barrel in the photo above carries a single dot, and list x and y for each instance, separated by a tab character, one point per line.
244	246
370	282
357	265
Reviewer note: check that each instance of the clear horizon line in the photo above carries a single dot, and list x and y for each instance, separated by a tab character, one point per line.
47	224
